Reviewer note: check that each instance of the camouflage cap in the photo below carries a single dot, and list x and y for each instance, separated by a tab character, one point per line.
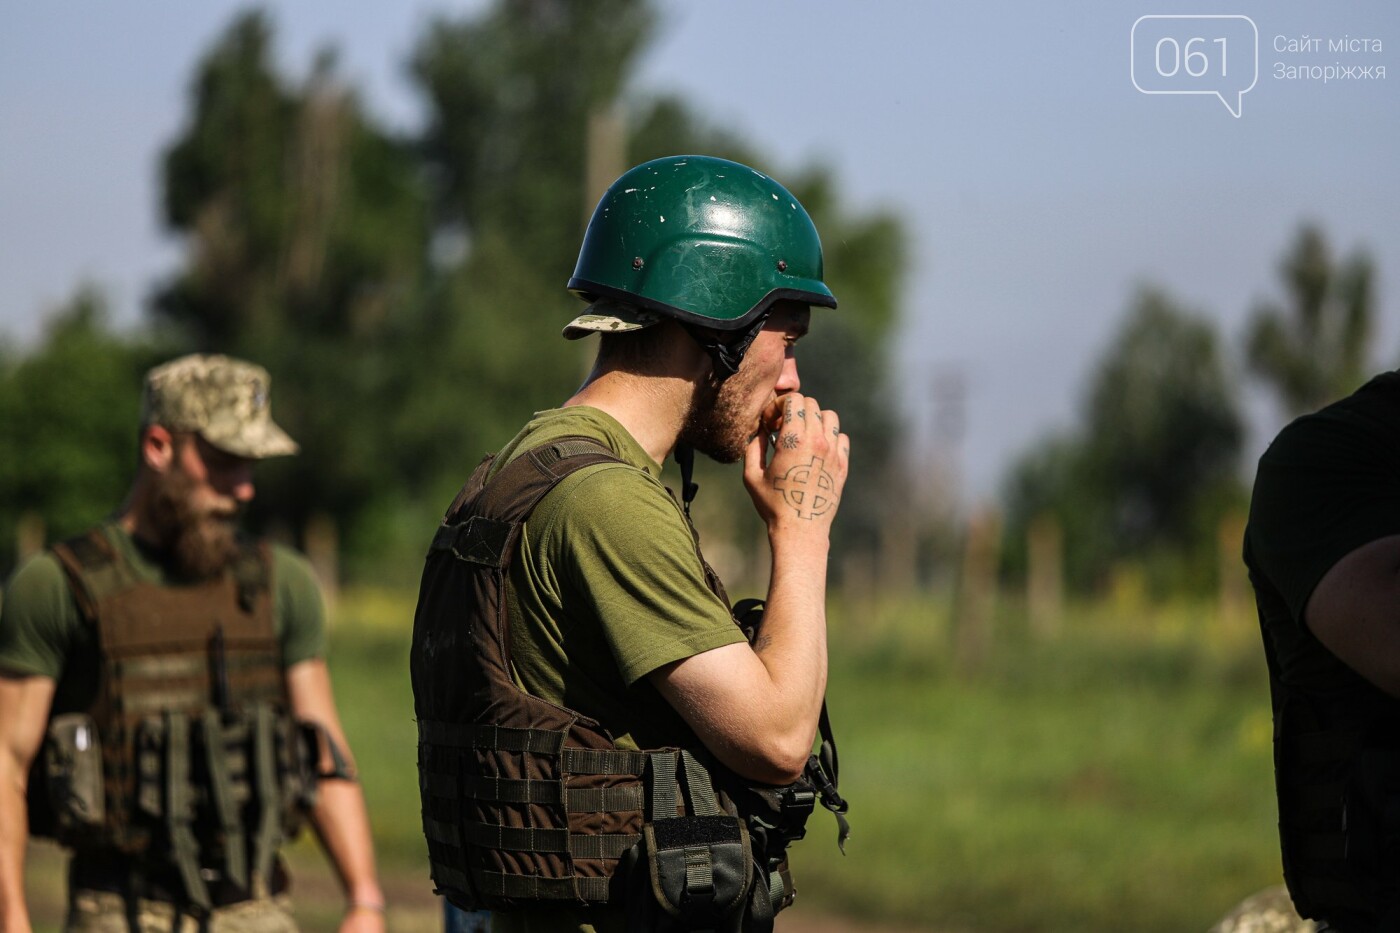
223	399
609	317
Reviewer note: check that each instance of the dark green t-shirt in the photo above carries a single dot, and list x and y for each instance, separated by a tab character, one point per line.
606	588
1328	484
42	632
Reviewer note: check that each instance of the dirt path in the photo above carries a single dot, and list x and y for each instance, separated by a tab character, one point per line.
413	908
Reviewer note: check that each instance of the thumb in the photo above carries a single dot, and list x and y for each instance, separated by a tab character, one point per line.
753	457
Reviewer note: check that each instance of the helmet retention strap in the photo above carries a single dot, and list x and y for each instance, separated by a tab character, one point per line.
685	459
726	351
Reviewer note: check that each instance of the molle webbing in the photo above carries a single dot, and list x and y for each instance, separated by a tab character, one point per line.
201	761
526	802
536	804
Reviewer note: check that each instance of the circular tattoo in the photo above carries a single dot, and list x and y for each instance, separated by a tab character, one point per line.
808	488
789	441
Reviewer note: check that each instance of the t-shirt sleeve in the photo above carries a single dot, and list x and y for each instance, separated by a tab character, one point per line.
624	548
37	617
300	610
1329	484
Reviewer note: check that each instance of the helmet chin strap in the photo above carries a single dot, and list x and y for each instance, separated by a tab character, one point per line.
726	350
685	459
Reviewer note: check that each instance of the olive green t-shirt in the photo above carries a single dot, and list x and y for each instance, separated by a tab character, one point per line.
42	632
605	588
1328	484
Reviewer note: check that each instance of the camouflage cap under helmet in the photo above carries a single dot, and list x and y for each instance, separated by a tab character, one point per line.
222	399
709	242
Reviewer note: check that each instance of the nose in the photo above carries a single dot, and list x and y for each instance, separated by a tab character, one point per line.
240	482
788	380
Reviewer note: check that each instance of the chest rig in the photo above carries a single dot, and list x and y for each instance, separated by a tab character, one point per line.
527	803
186	756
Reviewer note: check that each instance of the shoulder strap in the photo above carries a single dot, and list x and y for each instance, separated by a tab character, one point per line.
91	565
483	528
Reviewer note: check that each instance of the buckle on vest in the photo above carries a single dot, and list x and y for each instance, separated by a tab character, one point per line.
798	801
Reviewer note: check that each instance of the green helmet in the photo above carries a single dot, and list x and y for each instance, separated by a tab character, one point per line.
707	241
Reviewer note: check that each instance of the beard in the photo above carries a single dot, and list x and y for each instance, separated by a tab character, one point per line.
717	424
201	543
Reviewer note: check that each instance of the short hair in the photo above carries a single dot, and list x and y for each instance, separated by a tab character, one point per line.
634	350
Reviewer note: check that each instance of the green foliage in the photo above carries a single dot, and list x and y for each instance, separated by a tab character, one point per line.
307	228
406	294
68	422
1152	468
1315	349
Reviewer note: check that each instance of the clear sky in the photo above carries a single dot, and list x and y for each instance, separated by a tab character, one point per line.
1040	185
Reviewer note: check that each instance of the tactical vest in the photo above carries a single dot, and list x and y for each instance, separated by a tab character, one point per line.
527	803
1337	773
187	753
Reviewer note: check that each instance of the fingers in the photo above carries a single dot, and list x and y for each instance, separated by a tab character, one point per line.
753	457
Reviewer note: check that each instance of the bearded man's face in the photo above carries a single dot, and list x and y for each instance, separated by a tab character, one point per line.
724	417
194	523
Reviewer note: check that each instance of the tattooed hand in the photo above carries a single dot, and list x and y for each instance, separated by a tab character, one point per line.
797	482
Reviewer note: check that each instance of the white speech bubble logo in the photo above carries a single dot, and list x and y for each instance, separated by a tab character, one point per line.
1209	53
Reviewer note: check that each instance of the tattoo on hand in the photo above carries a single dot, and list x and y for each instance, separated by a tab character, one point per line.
802	414
808	489
789	441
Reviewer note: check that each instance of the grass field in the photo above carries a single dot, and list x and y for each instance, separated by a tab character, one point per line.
1116	777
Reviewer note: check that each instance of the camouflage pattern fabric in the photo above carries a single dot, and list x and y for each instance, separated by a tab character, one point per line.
609	317
226	401
1269	911
106	912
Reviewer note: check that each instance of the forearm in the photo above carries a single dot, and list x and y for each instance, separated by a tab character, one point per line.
14	834
24	711
342	823
791	642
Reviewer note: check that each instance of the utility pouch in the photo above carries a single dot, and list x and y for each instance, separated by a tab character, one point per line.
700	870
73	773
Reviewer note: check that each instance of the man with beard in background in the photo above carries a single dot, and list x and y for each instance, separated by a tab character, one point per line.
165	709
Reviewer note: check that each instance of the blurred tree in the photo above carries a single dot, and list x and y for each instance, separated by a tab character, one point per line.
1153	467
307	238
510	96
1315	349
69	411
405	294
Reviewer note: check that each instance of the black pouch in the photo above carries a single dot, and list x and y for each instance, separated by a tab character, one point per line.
73	773
700	871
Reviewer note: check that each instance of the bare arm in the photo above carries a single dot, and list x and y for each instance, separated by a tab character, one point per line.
756	708
340	817
24	711
1355	612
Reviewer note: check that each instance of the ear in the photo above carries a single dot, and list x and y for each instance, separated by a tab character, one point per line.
157	448
689	359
